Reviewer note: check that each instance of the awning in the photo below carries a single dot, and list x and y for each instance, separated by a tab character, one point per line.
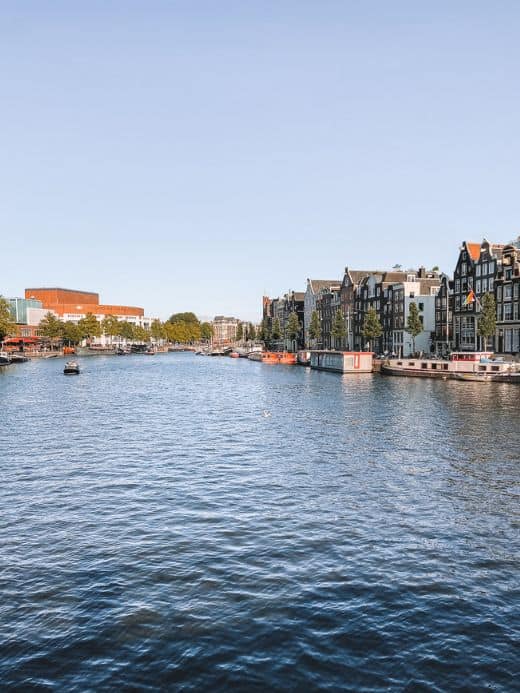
18	340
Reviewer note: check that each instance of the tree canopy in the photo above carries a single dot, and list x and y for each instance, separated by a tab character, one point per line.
338	331
414	325
7	324
50	326
315	327
372	328
487	324
89	326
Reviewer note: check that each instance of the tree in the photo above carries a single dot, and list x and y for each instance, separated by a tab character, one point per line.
183	317
89	326
264	332
206	331
414	325
110	326
50	326
293	328
71	333
240	332
141	334
315	327
487	324
276	330
7	324
157	330
372	328
125	330
251	332
338	331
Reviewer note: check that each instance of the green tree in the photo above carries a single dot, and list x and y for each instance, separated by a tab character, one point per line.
141	334
338	331
126	330
372	328
414	325
251	332
240	332
315	327
487	324
157	330
276	330
183	317
293	329
110	326
206	331
264	332
89	326
71	333
50	326
7	324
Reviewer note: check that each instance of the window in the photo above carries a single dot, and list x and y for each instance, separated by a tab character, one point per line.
478	270
463	268
421	306
491	283
499	293
457	286
484	286
508	292
478	286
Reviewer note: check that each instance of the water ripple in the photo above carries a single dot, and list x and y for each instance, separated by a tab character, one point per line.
157	531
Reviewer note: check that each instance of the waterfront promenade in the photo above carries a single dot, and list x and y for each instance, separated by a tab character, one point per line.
218	524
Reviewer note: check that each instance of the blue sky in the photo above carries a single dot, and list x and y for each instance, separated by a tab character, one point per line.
192	155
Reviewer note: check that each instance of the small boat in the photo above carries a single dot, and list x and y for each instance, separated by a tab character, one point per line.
18	358
5	360
234	355
71	368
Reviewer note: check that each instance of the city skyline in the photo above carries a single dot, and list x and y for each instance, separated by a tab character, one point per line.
189	158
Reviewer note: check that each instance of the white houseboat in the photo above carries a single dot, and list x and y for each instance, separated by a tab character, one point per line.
478	366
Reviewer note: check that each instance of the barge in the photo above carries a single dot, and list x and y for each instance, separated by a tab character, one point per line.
476	366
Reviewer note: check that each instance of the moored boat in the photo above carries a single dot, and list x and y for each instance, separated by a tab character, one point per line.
5	360
285	358
476	366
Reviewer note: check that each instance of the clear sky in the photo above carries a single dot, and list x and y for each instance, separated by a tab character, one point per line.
190	155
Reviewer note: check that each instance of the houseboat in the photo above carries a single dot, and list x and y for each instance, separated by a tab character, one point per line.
342	361
285	358
478	366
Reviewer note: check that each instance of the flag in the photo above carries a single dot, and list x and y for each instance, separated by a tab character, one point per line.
470	298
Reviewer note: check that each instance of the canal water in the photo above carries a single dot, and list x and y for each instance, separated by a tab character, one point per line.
211	524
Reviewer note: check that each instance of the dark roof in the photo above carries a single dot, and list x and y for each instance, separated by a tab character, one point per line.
318	284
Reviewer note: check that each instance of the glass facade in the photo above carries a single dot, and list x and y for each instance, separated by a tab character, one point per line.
18	308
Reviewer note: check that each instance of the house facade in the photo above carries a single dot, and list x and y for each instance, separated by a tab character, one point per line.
507	297
314	286
475	273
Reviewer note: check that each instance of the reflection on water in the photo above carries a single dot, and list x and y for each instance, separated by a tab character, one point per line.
158	530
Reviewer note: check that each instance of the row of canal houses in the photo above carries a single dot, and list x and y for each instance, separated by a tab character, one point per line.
449	307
